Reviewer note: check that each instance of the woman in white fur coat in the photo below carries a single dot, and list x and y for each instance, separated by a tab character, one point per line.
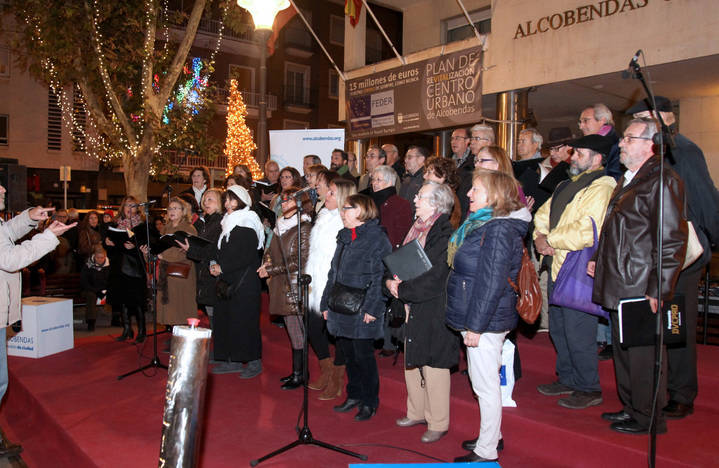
323	243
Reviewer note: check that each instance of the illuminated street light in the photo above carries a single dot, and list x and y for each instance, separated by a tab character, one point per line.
263	14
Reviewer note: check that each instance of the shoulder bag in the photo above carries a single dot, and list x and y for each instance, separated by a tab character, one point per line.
343	299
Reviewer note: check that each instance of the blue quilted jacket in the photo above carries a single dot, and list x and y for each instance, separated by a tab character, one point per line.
479	297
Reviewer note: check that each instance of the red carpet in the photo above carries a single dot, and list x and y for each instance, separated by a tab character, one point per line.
69	410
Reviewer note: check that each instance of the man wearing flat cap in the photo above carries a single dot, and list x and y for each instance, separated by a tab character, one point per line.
688	161
566	223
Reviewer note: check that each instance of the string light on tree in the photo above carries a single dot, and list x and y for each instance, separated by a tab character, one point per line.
239	144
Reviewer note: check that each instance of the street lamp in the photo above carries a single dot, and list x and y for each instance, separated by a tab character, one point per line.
263	14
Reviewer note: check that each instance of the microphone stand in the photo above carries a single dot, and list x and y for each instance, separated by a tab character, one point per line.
659	335
152	260
304	435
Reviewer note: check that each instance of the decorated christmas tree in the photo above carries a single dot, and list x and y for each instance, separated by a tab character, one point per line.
239	144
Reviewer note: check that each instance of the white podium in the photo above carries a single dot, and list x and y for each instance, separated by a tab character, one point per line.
46	328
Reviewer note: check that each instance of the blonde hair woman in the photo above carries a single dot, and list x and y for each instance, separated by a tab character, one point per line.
176	282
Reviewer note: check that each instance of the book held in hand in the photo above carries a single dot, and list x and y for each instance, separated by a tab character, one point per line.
168	241
637	322
408	262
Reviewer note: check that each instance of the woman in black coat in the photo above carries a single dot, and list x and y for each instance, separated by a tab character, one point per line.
357	263
236	317
127	288
431	348
208	227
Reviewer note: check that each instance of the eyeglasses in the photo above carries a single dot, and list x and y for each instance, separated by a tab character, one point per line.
458	138
584	120
631	137
347	208
478	138
174	208
485	160
420	197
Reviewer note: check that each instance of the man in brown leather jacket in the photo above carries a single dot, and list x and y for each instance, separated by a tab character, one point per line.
626	267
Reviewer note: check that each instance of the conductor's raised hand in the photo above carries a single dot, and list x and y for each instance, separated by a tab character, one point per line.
59	228
40	213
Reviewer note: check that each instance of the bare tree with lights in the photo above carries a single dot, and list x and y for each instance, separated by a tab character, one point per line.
122	59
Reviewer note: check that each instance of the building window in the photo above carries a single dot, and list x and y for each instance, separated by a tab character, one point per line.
4	124
79	120
296	34
297	84
337	30
54	122
245	77
4	62
373	51
334	85
295	124
457	29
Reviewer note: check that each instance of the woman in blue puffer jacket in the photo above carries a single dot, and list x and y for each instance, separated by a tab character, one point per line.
483	253
357	263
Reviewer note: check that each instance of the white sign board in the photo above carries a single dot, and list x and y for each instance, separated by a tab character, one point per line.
289	147
46	328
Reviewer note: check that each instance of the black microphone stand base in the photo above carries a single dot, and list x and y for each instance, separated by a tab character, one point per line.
155	363
305	438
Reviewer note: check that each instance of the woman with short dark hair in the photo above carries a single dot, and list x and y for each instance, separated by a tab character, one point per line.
357	263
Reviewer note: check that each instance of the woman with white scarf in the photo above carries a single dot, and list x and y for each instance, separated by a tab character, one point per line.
280	265
238	343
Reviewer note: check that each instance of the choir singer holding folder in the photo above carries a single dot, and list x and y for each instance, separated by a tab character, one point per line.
431	348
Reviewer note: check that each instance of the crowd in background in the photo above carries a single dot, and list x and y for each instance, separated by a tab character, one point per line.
473	214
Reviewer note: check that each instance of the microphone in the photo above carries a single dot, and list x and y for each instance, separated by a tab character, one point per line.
632	65
299	193
147	203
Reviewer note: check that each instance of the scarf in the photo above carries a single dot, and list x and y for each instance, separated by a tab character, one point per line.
129	223
420	229
285	224
243	218
473	221
91	265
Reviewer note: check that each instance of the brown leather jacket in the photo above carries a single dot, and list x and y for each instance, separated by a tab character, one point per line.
282	302
626	256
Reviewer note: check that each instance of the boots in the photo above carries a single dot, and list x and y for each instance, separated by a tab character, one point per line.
141	326
126	326
334	385
297	378
325	373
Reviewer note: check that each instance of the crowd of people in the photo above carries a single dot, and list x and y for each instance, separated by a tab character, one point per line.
473	214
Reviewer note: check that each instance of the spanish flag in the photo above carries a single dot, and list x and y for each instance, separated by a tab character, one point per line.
353	9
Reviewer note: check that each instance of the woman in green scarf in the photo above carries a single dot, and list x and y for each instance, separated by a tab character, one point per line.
483	253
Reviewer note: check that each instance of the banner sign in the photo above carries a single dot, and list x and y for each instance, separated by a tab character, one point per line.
289	147
440	92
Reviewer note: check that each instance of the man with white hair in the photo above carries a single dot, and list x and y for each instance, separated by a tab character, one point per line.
687	159
597	120
624	266
394	160
481	135
13	258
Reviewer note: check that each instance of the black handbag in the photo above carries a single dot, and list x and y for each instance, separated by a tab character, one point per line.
225	290
132	266
343	299
346	300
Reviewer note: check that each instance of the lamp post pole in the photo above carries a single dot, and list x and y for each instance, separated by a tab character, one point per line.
263	35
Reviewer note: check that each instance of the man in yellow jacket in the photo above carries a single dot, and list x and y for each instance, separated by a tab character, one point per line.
561	225
13	258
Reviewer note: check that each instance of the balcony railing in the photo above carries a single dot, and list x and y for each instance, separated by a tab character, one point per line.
250	98
185	160
211	26
300	38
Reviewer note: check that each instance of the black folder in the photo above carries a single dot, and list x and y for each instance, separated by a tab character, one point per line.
168	241
637	323
408	262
